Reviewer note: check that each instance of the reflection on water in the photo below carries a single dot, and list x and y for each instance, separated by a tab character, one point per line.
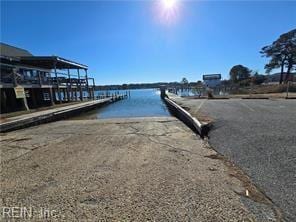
141	103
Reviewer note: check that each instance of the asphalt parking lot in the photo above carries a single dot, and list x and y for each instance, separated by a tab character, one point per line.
260	137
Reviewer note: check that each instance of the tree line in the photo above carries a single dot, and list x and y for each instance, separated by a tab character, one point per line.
281	54
147	85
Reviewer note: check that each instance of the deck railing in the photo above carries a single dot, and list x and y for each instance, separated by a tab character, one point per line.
33	76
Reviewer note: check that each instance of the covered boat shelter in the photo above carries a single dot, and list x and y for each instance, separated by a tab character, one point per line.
29	82
65	85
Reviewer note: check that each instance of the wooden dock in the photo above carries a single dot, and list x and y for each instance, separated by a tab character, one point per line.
54	114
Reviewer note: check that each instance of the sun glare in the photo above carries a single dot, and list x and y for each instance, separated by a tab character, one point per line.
169	4
168	10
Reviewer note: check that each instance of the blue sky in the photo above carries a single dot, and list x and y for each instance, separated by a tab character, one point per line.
129	41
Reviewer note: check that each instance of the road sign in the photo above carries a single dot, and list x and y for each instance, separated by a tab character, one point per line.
212	77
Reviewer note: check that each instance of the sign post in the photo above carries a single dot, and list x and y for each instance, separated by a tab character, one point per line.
162	91
287	91
20	94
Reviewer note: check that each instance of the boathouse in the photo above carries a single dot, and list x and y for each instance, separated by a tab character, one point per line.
29	82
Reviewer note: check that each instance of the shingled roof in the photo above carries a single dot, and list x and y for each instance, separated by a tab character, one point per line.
12	51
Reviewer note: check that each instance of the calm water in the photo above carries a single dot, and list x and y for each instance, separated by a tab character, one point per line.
141	103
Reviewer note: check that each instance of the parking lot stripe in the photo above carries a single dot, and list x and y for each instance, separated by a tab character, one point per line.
248	107
200	105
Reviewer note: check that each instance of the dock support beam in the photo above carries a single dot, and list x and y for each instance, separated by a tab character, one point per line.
51	96
80	88
76	92
162	91
69	87
93	89
87	88
58	84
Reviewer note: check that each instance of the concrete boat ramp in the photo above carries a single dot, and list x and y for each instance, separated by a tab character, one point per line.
137	169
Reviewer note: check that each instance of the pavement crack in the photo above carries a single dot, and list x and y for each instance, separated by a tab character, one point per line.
137	132
171	146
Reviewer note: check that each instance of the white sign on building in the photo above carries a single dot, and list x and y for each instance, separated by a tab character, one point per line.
19	92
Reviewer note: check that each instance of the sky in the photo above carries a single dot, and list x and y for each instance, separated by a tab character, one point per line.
149	41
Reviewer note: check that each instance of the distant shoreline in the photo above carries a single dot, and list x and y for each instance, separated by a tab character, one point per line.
144	86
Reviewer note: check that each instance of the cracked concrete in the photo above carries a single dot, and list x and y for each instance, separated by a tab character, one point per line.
141	169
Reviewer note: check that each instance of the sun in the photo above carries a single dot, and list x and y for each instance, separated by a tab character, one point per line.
169	4
168	11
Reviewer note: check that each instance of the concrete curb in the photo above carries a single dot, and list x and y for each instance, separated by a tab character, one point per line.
196	97
217	98
50	117
184	116
255	98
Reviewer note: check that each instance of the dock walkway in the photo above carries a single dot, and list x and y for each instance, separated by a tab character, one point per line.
38	117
